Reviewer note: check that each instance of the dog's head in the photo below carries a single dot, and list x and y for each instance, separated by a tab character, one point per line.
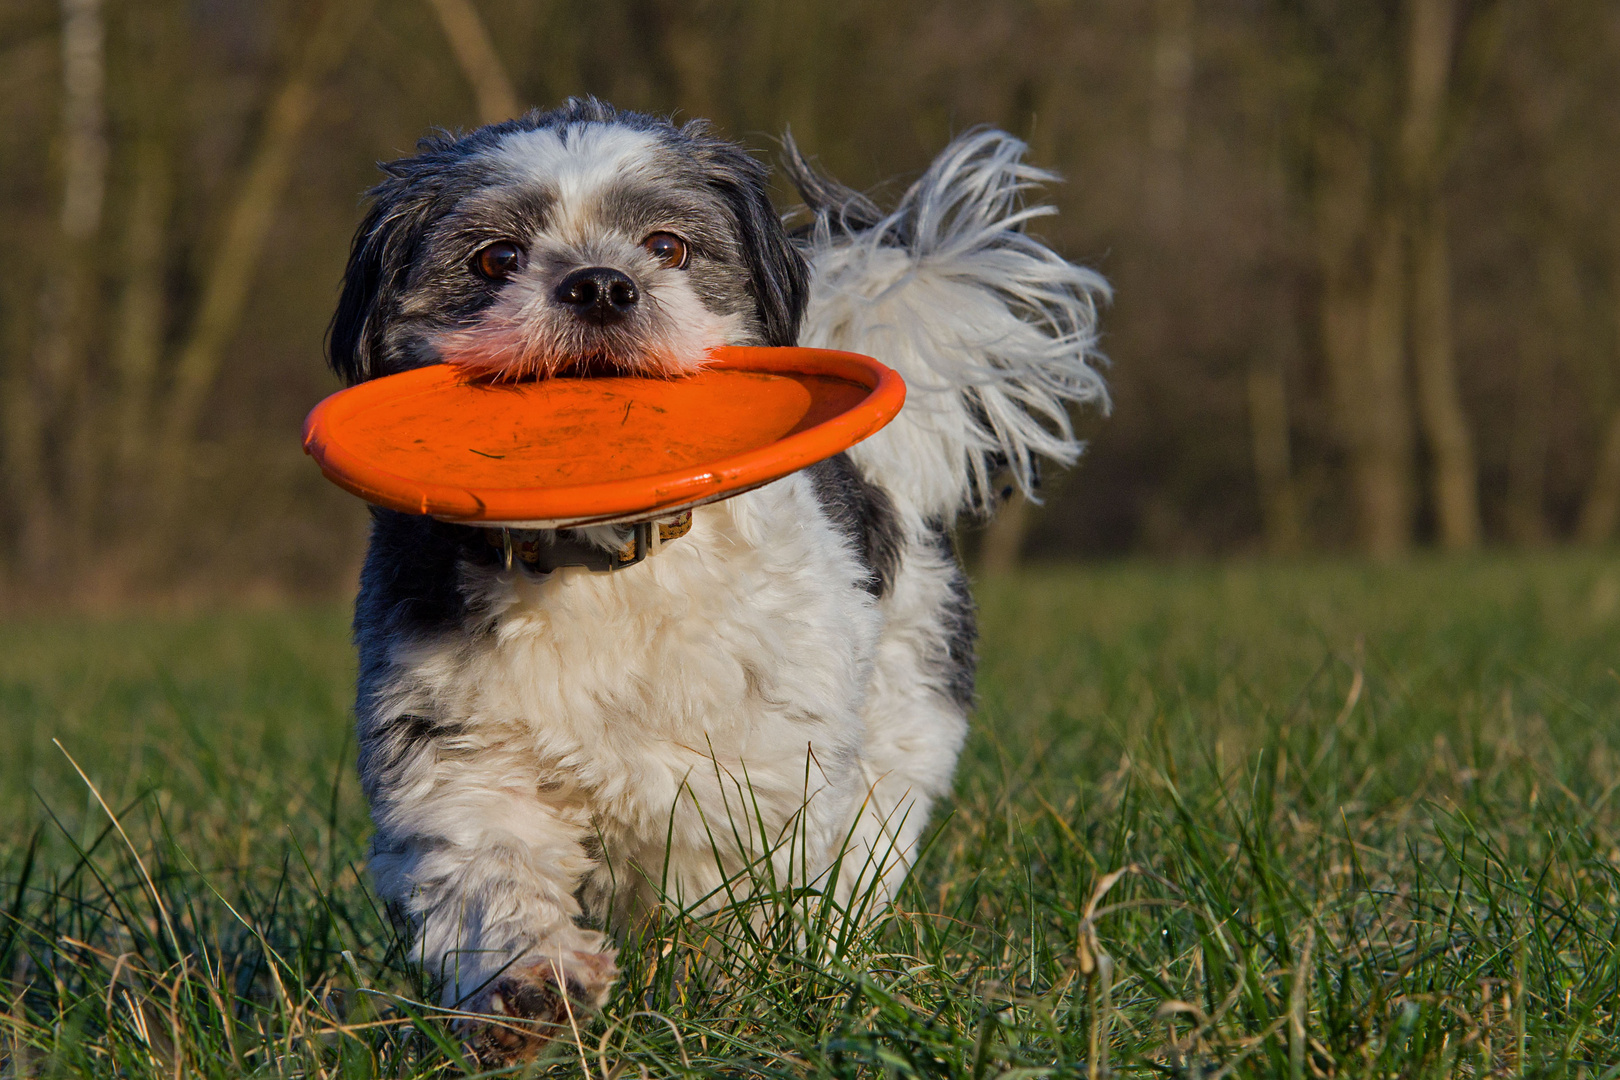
584	240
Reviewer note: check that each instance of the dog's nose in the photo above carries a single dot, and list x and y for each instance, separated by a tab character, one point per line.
598	294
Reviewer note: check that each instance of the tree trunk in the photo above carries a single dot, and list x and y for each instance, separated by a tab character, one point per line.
480	64
1546	338
1344	326
1431	41
1004	538
84	117
1431	33
1526	494
142	308
48	401
1451	444
1173	64
1273	465
242	241
1384	466
1600	511
1362	254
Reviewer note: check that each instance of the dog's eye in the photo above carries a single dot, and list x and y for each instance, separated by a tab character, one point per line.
667	248
498	261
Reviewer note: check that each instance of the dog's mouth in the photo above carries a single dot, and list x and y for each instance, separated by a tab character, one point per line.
505	349
514	365
599	365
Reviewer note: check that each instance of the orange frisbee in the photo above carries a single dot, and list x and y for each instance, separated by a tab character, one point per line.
564	452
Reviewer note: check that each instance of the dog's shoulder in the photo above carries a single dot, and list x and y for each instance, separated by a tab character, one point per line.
863	514
410	583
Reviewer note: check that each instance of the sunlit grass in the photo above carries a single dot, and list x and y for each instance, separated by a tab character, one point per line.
1321	820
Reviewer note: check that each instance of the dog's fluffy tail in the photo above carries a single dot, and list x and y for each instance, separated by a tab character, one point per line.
994	333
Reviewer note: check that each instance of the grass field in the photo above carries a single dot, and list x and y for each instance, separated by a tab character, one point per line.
1316	820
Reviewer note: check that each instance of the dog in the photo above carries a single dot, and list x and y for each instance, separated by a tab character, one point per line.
552	744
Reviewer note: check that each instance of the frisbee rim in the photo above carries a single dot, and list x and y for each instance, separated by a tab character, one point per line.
628	499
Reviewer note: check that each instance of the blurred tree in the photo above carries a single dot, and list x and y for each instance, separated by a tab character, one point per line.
157	36
1600	512
1390	97
94	406
1367	254
1359	240
256	196
1174	57
1441	91
1576	227
1273	456
480	63
1033	109
48	394
1001	549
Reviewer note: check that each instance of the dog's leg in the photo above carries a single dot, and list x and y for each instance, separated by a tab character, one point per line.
906	764
488	865
916	715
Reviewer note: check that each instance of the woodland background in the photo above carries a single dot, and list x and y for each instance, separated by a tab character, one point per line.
1367	252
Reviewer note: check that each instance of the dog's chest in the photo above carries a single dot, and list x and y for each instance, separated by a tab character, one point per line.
743	649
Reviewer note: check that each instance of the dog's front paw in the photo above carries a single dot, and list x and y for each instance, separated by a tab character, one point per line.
534	1000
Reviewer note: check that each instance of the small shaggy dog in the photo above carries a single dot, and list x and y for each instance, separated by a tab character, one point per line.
548	746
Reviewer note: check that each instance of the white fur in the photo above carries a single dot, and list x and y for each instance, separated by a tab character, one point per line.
937	311
741	695
577	161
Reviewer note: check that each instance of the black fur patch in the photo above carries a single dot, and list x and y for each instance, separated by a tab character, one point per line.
845	210
409	584
863	513
959	662
404	735
389	747
780	277
409	732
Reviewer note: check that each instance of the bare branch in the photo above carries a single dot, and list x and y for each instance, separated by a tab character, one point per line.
241	245
480	63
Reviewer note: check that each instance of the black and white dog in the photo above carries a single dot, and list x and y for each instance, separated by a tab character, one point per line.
548	747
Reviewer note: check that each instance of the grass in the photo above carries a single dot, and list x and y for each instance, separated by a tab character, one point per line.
1251	820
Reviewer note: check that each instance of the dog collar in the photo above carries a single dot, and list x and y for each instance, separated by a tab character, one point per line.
546	549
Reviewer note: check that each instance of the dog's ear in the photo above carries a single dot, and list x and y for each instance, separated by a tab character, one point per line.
780	277
843	210
379	262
